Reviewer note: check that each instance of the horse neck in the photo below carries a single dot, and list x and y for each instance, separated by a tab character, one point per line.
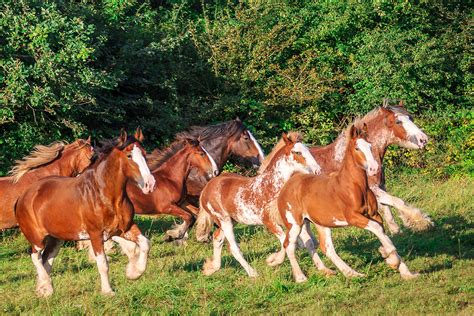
276	175
176	168
219	149
110	171
59	167
379	136
350	172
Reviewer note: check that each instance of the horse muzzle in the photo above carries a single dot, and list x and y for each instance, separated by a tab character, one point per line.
148	184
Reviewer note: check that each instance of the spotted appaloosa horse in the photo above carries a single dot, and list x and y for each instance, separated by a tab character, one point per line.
92	206
387	125
57	159
171	168
220	141
231	197
342	198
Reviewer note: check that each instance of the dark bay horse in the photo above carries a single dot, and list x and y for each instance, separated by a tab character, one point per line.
92	206
247	200
57	159
340	199
221	141
171	168
387	125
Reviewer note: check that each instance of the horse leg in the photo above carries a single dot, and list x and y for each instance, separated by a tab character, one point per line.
179	231
412	217
327	248
278	257
308	240
187	206
214	264
102	264
292	233
389	252
137	258
228	230
50	252
388	216
44	288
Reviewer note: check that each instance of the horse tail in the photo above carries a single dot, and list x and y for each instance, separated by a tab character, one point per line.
274	213
204	224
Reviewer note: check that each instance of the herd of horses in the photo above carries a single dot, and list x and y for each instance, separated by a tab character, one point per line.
77	192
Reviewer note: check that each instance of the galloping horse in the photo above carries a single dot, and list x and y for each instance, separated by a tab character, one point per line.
220	141
92	206
171	168
57	159
387	125
339	199
231	197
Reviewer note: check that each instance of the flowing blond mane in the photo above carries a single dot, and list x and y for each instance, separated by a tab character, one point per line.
40	156
293	136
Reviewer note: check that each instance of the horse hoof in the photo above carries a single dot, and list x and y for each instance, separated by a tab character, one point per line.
355	274
44	291
328	272
133	273
180	242
253	274
409	276
209	268
108	293
301	279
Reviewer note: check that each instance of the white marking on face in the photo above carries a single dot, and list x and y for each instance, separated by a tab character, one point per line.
83	235
261	155
365	147
413	131
148	179
215	170
310	161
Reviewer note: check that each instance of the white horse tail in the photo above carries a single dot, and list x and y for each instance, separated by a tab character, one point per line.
204	225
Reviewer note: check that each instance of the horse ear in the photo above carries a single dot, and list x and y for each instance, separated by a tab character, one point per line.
237	119
385	103
354	131
88	140
365	130
139	135
401	104
285	138
123	137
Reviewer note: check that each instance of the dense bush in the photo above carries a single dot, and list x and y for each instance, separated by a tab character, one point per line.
71	69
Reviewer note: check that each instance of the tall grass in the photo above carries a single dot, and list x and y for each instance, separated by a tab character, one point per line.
174	284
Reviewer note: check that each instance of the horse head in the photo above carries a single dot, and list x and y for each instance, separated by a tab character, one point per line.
245	145
297	155
135	166
404	132
361	150
200	159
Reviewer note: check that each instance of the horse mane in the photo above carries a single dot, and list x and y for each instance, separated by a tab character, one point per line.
39	156
159	157
228	129
293	136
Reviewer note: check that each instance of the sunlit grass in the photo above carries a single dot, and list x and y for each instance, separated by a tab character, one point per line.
173	282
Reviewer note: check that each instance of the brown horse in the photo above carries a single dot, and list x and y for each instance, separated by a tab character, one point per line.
221	141
171	168
231	197
387	125
57	159
92	206
342	198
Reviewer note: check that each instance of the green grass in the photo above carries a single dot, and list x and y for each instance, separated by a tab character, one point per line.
174	284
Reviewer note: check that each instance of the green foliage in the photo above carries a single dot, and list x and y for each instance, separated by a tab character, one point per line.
70	69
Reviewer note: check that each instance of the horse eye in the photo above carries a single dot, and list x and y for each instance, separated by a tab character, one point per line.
297	153
202	154
398	122
246	137
357	148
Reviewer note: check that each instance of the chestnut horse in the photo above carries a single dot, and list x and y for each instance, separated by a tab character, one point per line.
221	141
247	200
387	125
171	168
92	206
342	198
57	159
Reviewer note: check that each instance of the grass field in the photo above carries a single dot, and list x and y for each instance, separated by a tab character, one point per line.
174	284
